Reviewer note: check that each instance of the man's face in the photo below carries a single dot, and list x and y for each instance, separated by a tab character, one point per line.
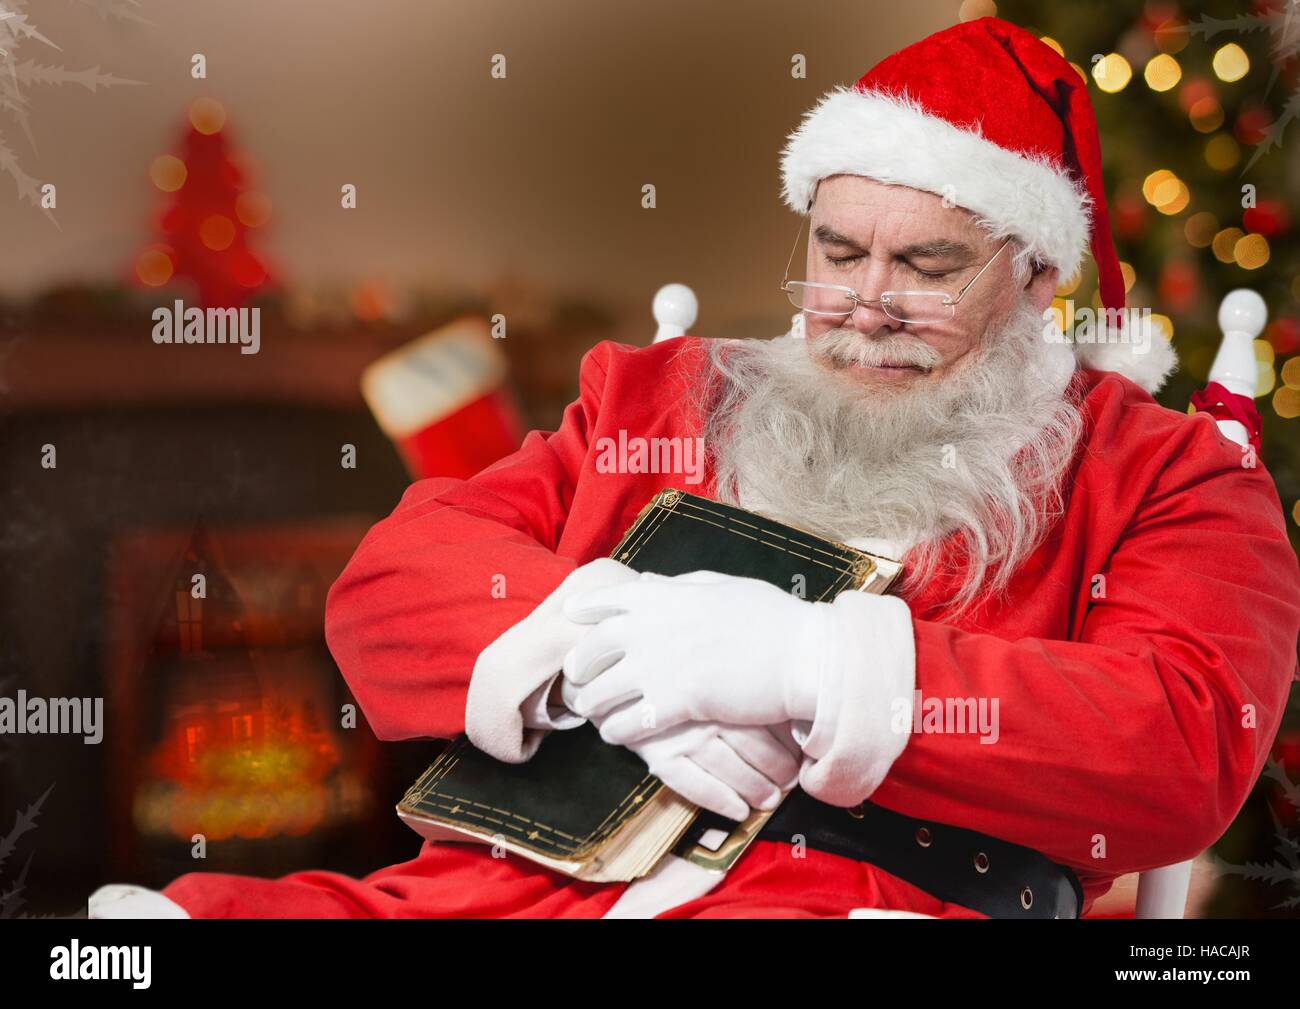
874	237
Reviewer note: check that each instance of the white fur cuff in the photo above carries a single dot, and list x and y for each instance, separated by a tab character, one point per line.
870	669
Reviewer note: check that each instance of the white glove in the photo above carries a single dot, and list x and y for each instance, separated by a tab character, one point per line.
723	768
509	671
706	647
700	647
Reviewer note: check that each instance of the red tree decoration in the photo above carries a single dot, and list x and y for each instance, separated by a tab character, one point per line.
204	228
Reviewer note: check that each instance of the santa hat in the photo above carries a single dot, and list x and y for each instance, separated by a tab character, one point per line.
990	117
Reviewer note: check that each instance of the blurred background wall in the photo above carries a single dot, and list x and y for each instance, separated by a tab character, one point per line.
462	178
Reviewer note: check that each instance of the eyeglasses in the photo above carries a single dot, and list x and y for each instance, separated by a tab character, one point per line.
916	307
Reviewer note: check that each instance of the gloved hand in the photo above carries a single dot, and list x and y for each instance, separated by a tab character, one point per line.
723	768
525	656
699	647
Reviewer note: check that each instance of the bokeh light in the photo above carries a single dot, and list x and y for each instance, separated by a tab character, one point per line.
1265	379
1206	115
1112	73
1166	191
154	266
1172	35
1224	243
1162	72
1200	228
1231	63
168	173
217	232
1251	252
971	10
1222	152
1286	403
207	115
253	208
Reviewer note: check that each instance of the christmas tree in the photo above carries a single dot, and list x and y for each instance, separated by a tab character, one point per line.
204	228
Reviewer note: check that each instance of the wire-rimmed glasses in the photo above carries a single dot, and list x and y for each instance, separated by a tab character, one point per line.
915	307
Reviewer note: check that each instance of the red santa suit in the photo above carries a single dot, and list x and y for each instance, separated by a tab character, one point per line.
1134	722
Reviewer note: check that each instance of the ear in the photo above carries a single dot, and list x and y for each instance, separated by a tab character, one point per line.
1042	286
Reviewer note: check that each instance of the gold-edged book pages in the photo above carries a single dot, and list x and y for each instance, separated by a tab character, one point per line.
631	852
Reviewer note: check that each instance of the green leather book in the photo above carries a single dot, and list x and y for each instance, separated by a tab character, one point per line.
590	809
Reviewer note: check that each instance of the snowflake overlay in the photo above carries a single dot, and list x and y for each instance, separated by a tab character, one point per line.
17	76
1284	871
11	898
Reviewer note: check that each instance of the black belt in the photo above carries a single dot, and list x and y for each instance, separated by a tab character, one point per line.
959	866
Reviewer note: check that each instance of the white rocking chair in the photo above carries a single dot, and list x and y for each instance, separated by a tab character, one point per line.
1161	893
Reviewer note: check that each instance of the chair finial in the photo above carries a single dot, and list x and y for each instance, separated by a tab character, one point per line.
675	308
1242	315
1243	311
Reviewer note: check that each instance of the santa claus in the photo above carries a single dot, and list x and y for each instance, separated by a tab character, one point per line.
1101	573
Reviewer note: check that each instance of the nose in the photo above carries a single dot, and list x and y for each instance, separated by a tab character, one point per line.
870	319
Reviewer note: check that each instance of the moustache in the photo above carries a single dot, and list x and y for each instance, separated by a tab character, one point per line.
849	347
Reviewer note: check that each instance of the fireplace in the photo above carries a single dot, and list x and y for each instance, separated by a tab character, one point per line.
234	741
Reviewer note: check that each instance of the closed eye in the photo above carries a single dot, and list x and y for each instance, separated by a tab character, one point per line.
928	274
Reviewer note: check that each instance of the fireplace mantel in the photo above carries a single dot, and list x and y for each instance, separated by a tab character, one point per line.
49	367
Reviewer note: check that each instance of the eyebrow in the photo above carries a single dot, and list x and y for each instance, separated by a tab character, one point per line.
932	249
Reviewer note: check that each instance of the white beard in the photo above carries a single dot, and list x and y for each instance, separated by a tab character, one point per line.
980	451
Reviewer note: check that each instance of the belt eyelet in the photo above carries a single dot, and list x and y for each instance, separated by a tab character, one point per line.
858	811
923	837
981	862
1026	898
